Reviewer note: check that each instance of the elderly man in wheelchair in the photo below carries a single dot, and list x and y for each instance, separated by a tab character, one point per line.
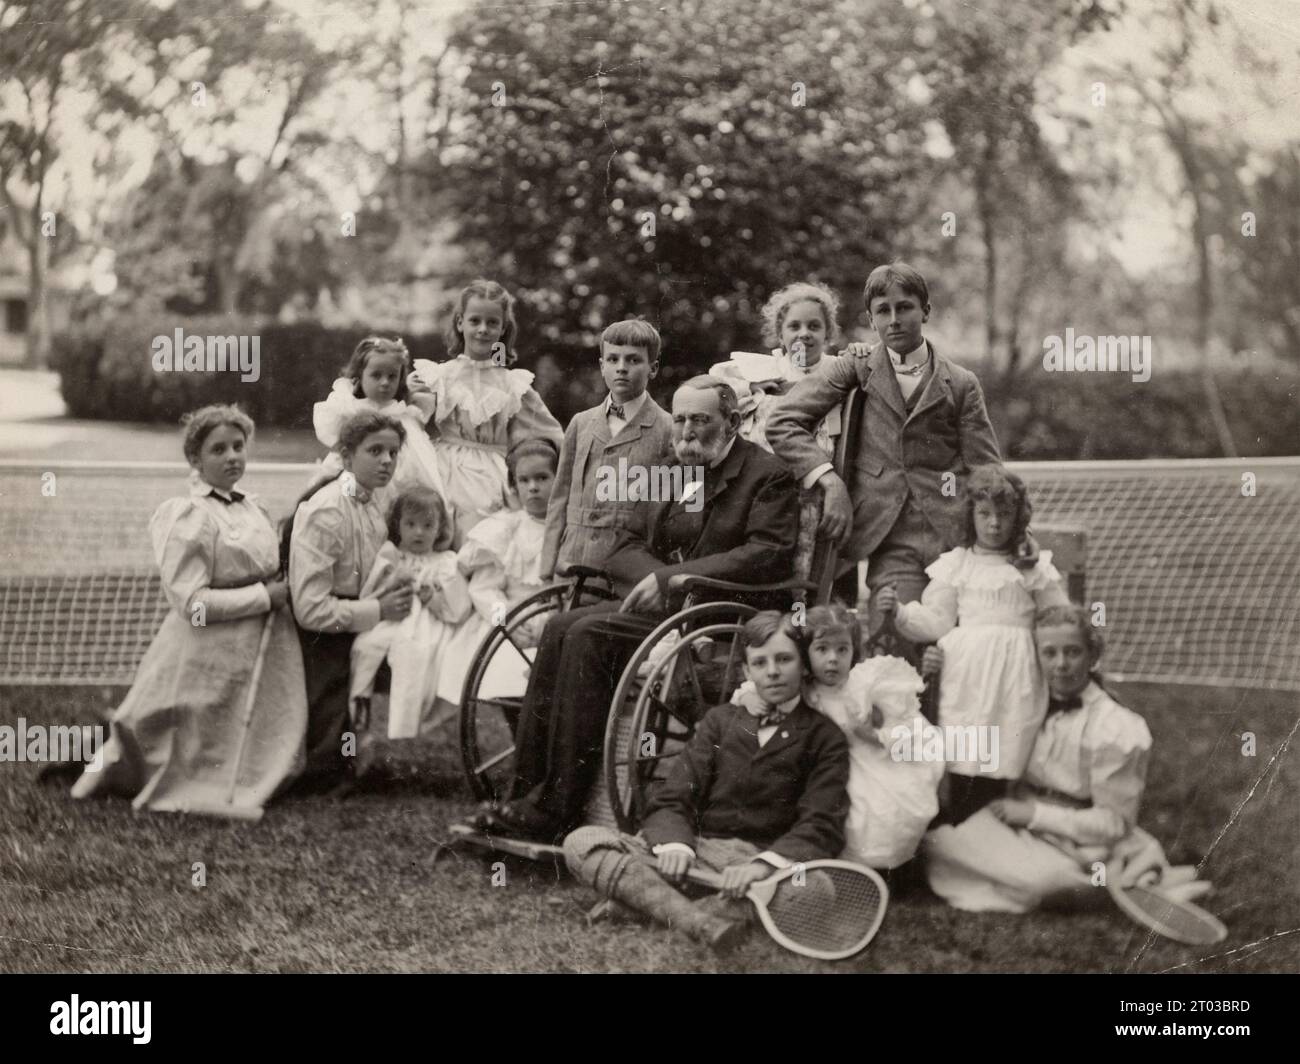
731	531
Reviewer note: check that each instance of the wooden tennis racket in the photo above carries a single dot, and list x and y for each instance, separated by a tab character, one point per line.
1179	920
829	910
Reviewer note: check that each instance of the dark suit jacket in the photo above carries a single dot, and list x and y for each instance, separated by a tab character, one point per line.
789	796
898	453
749	519
582	529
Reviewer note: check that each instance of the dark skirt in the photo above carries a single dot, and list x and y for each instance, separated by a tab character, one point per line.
326	659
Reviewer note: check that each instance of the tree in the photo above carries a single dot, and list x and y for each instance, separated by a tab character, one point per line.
47	50
614	160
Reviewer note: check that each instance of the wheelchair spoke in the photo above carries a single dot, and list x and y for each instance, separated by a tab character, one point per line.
700	700
493	761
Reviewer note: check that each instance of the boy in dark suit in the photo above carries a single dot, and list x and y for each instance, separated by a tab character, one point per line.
752	792
581	525
924	424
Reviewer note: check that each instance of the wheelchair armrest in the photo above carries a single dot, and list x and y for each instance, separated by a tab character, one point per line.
708	583
586	571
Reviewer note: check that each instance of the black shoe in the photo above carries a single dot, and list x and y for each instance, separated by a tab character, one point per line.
519	820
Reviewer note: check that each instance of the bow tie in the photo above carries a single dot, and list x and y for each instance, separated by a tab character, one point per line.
235	496
771	716
615	410
1063	705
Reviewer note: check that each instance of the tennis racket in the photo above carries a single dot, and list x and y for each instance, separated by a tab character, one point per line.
1179	920
823	909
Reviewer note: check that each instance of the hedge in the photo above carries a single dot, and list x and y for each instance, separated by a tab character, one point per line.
108	374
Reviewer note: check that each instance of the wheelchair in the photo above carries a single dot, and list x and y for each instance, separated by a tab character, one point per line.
690	662
498	677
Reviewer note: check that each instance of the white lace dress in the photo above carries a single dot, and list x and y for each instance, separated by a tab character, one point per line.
893	791
417	466
416	646
483	410
501	559
980	609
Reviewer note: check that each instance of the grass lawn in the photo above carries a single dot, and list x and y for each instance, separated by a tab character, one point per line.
352	886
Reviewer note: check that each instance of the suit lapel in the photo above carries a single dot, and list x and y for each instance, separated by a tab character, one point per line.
883	382
600	427
937	388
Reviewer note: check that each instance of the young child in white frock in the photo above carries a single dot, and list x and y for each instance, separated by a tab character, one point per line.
980	608
375	378
892	800
483	407
501	558
419	535
799	322
1076	806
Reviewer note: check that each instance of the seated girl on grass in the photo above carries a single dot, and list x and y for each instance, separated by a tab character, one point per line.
1077	803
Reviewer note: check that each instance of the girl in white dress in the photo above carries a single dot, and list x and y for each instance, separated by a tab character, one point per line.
892	799
1075	808
501	559
378	378
419	535
179	739
980	608
483	407
799	322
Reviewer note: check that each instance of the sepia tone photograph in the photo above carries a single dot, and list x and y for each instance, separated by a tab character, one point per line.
649	486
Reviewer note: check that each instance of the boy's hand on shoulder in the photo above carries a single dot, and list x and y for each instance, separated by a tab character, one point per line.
1026	555
737	878
674	864
887	600
857	349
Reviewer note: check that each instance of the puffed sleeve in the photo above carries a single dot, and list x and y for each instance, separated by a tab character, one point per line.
533	419
451	600
318	542
936	614
1119	744
888	682
481	560
327	417
1046	584
184	539
386	564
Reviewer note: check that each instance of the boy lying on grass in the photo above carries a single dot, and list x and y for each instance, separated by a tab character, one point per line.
756	789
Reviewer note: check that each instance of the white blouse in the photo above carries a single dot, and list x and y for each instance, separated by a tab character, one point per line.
1096	753
337	534
214	554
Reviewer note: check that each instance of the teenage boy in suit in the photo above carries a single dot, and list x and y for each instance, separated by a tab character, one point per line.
755	790
582	525
924	424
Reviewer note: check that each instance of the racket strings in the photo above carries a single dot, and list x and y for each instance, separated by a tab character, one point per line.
1181	921
828	909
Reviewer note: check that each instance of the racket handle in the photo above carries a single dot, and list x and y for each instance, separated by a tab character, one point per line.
704	877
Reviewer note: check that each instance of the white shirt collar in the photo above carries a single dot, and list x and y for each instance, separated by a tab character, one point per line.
917	354
200	487
631	408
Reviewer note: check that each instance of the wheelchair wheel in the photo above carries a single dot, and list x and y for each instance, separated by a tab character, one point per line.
497	679
662	695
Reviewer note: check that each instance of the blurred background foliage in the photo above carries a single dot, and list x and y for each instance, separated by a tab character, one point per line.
348	166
